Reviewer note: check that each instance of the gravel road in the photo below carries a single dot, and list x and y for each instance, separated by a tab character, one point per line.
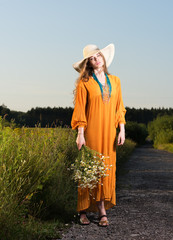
144	207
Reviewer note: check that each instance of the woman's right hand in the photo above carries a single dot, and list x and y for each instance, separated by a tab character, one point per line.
80	140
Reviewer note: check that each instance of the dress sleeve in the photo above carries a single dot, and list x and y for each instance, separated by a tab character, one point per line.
79	113
120	110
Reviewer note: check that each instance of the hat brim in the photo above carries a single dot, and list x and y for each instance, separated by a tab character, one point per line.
108	53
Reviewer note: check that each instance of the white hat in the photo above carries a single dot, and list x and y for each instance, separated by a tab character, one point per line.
90	50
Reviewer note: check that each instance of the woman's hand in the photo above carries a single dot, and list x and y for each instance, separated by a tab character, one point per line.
80	140
121	138
121	135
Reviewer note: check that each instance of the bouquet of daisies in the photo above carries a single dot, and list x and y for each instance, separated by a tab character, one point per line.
89	167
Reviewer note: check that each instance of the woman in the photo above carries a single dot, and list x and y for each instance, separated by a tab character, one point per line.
98	111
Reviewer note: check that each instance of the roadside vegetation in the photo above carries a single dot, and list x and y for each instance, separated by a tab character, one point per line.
137	132
37	194
161	132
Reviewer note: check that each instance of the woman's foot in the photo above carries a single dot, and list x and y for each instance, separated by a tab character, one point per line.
102	214
103	221
83	219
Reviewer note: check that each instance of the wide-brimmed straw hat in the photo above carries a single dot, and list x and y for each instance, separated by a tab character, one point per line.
90	50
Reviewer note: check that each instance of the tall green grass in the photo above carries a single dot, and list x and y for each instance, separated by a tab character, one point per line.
123	153
34	180
37	194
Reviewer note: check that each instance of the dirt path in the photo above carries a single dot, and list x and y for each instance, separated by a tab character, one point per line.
144	202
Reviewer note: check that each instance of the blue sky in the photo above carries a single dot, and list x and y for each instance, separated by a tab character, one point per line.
41	39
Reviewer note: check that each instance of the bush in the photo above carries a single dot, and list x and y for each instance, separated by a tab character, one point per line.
161	130
137	132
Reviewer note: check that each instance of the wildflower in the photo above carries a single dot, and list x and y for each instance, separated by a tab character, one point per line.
88	168
82	163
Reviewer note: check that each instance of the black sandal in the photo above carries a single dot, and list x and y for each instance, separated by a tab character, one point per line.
103	223
84	220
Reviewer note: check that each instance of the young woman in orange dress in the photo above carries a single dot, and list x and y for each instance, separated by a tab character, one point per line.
98	111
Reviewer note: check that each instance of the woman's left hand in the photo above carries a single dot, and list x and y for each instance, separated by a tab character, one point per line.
121	137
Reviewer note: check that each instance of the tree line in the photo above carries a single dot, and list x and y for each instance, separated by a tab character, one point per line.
59	116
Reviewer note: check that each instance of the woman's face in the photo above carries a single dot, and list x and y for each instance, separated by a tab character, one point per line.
96	61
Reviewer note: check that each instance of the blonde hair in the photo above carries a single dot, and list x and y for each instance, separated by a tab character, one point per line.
86	72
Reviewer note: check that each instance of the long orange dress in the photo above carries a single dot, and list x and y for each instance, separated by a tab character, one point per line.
99	120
